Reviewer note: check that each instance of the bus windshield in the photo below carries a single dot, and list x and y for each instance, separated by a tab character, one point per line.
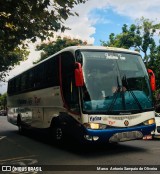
114	82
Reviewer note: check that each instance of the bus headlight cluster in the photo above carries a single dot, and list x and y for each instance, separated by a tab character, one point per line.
94	126
150	121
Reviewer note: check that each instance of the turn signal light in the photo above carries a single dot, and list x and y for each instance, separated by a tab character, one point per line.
150	121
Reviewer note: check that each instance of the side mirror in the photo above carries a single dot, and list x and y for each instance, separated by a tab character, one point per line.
79	80
152	79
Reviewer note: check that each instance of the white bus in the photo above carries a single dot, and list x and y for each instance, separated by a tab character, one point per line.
97	94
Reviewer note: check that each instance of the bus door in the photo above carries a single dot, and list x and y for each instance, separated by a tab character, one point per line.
69	91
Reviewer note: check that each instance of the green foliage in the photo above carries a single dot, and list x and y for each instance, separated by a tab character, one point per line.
11	58
3	101
29	19
51	48
139	36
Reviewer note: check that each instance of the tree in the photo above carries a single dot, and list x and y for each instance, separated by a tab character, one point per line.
139	36
11	58
52	47
126	39
3	101
29	19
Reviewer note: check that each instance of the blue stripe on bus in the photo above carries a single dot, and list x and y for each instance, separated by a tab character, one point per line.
105	134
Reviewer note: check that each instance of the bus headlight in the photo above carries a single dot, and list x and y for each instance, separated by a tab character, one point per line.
150	121
94	126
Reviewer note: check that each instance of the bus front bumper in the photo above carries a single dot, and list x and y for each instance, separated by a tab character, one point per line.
118	134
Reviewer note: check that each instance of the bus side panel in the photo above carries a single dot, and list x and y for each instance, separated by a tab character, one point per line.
36	108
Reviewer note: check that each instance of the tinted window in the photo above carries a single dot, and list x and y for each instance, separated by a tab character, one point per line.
41	76
23	81
70	91
52	72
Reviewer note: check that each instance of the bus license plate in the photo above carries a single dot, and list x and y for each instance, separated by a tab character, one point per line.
126	136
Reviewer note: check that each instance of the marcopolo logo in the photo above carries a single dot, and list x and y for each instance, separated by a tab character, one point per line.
95	118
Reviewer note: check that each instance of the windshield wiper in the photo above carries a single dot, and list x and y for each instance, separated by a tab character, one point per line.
124	79
115	96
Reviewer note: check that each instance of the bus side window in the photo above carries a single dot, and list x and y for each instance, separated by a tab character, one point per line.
55	69
18	84
30	79
11	87
51	72
23	82
39	76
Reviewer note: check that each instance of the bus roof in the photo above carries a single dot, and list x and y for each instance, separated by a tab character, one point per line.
74	48
100	48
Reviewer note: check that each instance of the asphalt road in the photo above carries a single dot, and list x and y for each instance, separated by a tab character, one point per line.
34	148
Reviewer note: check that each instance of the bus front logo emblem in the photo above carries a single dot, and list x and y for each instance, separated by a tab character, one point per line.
126	122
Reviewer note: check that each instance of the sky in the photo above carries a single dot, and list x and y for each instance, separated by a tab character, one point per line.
96	20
